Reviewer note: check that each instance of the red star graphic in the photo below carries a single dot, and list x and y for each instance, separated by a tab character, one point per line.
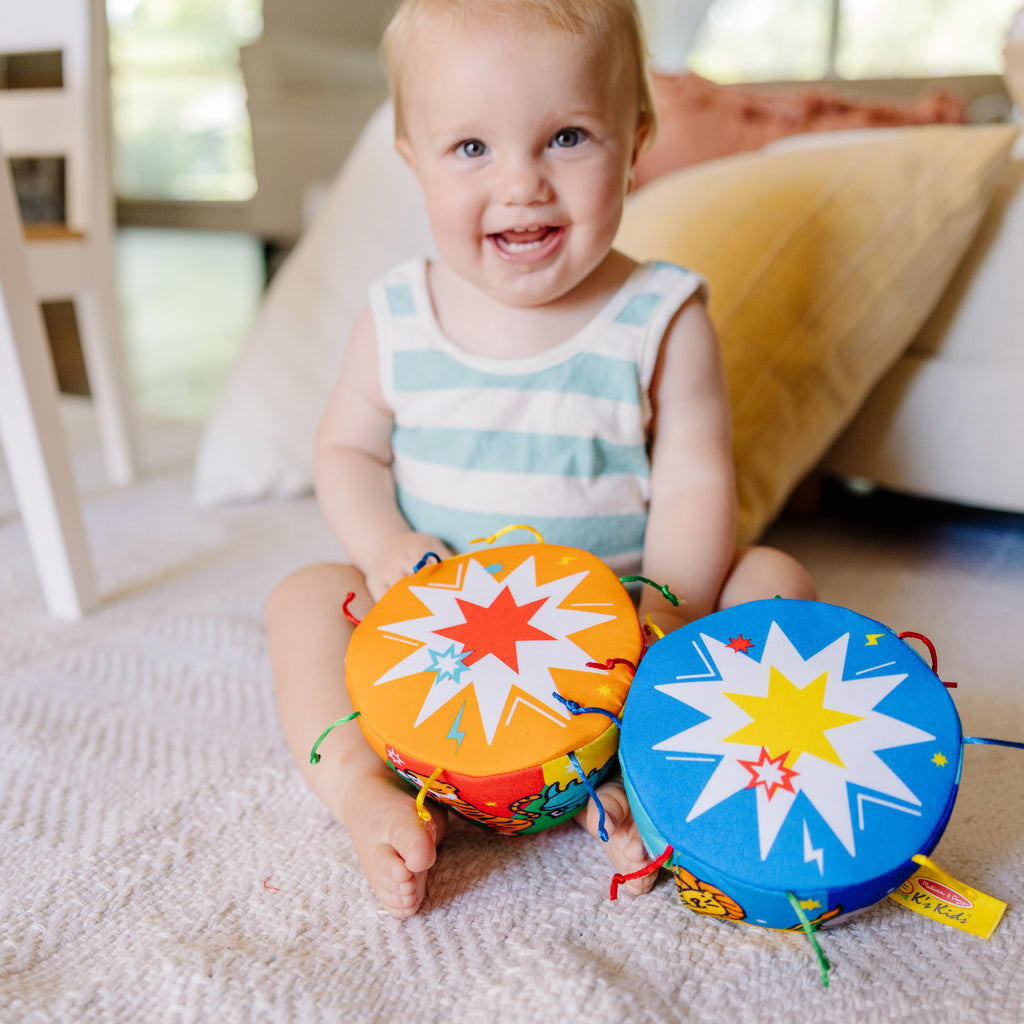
495	629
740	644
772	774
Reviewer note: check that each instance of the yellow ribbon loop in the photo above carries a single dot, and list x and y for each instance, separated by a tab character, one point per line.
508	529
421	797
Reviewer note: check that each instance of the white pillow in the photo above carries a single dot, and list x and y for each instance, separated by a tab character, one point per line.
258	443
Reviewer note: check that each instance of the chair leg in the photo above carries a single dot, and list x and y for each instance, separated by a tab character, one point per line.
99	326
31	432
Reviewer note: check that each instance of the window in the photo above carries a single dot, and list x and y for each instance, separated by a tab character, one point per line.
940	37
181	131
762	40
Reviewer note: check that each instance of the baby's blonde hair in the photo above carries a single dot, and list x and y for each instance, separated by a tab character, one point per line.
592	22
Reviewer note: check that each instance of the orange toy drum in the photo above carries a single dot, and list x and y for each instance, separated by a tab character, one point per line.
463	675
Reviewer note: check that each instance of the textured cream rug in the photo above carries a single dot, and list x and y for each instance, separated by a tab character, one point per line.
160	859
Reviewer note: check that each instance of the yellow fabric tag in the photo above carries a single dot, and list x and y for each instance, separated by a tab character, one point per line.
933	893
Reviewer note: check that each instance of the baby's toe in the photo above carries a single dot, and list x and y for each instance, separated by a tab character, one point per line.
396	886
606	813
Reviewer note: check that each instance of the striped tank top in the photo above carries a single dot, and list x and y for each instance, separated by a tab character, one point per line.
557	441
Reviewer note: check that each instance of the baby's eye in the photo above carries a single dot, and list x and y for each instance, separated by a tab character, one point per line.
566	138
471	148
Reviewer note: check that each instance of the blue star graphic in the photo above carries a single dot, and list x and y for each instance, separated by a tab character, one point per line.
448	665
494	568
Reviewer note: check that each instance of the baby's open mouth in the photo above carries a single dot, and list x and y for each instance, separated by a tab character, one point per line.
527	241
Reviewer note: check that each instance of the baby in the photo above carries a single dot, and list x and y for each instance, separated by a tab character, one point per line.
533	374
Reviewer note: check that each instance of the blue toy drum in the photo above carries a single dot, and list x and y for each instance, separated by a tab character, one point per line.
788	754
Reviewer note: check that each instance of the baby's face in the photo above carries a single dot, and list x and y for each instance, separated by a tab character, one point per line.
523	146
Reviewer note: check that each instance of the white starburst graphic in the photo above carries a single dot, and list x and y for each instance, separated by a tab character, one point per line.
528	633
822	738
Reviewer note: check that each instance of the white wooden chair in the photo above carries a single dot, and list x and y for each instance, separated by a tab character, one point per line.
74	260
31	432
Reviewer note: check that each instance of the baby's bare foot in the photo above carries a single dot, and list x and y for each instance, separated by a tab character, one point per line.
625	849
395	847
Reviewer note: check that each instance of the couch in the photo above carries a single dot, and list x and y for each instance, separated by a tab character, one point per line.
834	257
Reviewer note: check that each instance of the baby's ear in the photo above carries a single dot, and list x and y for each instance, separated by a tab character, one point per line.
643	131
404	148
638	145
641	139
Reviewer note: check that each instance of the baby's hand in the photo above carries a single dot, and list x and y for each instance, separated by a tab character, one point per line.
396	557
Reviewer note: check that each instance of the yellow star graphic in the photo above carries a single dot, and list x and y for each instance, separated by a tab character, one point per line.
810	904
790	720
941	760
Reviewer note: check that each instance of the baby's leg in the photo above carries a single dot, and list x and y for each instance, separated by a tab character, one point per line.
625	848
307	637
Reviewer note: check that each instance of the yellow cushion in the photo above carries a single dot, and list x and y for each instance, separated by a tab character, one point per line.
823	262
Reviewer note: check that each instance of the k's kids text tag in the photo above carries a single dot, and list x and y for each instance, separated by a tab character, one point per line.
934	893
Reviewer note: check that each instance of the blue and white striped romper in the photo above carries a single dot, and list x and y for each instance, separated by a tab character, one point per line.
557	441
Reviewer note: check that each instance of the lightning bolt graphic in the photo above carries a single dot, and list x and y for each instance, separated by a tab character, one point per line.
810	853
456	732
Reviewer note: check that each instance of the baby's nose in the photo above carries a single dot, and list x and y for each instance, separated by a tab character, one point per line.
524	182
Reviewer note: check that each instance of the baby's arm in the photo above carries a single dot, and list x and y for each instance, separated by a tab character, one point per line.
690	541
691	519
308	635
352	466
691	529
